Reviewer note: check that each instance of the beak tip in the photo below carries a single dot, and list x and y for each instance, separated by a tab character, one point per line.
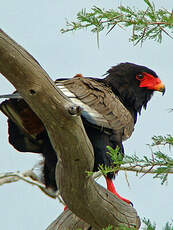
163	91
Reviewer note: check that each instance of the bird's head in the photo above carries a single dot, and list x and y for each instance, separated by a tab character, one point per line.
134	84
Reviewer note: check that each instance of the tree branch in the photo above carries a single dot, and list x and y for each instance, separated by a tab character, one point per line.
141	169
84	197
147	23
29	177
68	220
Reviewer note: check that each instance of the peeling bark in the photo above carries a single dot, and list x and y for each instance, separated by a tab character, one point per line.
87	200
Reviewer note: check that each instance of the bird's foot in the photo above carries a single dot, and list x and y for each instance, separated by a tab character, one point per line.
111	188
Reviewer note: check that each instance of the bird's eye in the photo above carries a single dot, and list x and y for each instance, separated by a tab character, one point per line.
139	76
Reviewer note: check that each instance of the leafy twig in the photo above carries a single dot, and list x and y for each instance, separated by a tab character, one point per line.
146	24
159	164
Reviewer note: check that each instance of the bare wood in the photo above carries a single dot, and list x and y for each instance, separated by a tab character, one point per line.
68	220
85	198
29	177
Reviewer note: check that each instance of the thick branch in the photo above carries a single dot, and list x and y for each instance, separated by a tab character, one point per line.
68	220
82	194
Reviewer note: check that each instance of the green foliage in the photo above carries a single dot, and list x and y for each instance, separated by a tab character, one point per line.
110	227
117	160
158	163
168	226
146	24
147	226
166	162
166	165
162	140
150	226
115	155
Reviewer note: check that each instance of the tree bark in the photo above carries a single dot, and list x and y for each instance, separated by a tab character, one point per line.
68	220
83	196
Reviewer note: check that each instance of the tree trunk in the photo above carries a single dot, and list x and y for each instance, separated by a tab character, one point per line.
88	201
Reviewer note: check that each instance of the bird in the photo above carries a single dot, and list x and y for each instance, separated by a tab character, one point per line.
110	108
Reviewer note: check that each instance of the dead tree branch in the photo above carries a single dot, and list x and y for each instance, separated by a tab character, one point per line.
84	197
29	177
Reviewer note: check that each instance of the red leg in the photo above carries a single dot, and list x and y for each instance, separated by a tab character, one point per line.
111	188
65	207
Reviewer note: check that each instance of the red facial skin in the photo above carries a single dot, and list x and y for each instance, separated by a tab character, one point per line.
150	82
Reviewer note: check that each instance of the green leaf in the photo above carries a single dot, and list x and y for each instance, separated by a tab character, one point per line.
146	23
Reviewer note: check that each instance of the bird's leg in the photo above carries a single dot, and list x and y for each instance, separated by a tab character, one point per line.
65	207
111	188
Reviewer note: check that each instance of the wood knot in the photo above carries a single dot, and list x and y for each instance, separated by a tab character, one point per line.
75	110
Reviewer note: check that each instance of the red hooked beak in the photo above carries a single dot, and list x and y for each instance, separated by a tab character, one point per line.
151	83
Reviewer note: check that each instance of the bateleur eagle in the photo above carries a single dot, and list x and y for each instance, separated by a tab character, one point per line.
110	108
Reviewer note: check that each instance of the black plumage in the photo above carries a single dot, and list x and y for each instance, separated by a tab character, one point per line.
110	112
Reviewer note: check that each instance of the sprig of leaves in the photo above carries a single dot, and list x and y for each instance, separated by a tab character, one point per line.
152	226
162	140
158	163
148	226
146	24
117	158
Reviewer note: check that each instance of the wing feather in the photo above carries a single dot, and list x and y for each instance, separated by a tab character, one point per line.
100	105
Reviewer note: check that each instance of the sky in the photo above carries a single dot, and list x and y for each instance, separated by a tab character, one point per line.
36	26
